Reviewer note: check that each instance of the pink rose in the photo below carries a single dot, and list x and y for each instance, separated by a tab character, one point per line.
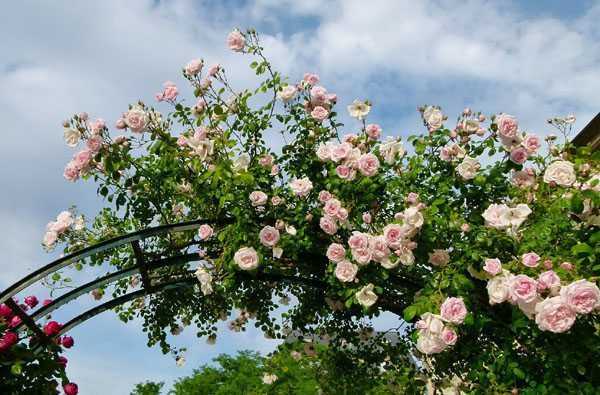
67	341
301	187
507	125
205	231
340	151
373	131
324	152
193	67
276	200
319	113
199	107
324	196
366	217
52	328
453	310
336	252
345	271
136	119
169	92
532	143
492	266
318	95
236	41
439	257
258	198
394	234
358	240
246	258
581	296
8	340
328	225
97	126
83	158
379	248
266	160
332	207
568	266
449	336
213	70
120	124
368	164
269	236
361	255
71	389
31	301
345	172
530	259
94	143
14	322
522	288
519	155
548	280
554	315
311	79
342	214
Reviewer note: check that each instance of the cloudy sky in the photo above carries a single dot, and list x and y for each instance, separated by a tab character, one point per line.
530	59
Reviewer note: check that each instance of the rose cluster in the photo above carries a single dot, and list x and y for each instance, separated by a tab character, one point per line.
437	332
63	223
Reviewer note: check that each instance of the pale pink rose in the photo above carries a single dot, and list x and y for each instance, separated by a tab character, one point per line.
342	214
83	158
366	217
213	70
532	143
519	155
379	248
446	154
453	310
324	196
199	107
205	231
582	296
340	151
83	116
568	266
324	152
429	343
71	172
120	124
301	187
530	259
524	178
246	258
276	200
560	172
287	93
94	143
169	92
136	119
345	172
368	164
319	113
336	252
258	198
449	336
318	95
274	170
465	227
362	255
373	131
182	141
412	198
269	236
522	288
63	221
193	67
554	315
548	280
332	206
97	126
345	271
358	240
328	225
547	264
497	216
507	125
492	266
236	41
266	160
311	79
50	237
439	257
394	234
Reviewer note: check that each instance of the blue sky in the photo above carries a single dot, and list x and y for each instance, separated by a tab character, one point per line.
530	59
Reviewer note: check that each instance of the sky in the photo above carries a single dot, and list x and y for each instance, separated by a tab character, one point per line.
534	60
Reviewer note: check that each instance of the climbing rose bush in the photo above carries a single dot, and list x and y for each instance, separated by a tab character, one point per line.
480	236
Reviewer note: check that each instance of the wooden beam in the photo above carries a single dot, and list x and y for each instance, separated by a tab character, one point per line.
590	134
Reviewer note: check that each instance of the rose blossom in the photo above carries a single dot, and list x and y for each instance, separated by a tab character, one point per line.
554	315
507	125
345	172
287	93
52	328
366	217
336	252
328	225
449	336
568	266
236	41
342	214
582	296
324	196
468	168
497	216
332	206
266	160
70	389
413	217
258	198
368	164
523	178
359	109
497	287
453	310
394	234
522	288
340	151
269	236
31	301
71	136
428	343
531	143
361	255
390	150
519	155
213	70
67	341
373	131
136	119
549	280
301	187
439	257
345	271
193	67
433	117
358	240
366	297
97	126
311	79
246	258
492	266
324	151
560	172
205	231
319	113
530	259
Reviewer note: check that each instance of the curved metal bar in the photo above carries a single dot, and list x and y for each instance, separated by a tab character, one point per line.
90	250
110	278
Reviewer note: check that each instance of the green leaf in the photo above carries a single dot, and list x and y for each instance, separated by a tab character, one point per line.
409	313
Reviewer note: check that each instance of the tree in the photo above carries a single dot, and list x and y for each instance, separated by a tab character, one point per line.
147	388
483	241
